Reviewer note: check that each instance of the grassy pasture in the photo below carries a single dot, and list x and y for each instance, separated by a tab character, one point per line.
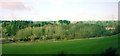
84	46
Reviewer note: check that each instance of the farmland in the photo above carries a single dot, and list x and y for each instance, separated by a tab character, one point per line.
80	46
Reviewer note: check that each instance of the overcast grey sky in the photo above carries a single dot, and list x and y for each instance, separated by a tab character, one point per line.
73	10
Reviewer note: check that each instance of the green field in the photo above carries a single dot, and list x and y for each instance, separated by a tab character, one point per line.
81	46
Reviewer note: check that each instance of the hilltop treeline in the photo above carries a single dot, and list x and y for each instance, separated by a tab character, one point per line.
56	30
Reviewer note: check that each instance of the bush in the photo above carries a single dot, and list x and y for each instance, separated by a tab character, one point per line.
109	52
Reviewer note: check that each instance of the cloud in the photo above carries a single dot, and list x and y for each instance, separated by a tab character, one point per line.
13	5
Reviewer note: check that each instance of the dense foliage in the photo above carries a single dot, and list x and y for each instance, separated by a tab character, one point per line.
58	30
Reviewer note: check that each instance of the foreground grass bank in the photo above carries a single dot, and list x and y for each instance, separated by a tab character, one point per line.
84	46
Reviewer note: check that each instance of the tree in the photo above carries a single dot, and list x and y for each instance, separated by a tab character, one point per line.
24	33
65	22
11	30
2	32
59	32
86	30
13	26
37	33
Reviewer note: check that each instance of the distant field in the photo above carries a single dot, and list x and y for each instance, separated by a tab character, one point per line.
85	46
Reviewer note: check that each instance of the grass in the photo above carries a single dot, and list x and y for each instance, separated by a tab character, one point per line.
85	46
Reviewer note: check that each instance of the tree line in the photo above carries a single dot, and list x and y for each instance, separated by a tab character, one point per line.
57	30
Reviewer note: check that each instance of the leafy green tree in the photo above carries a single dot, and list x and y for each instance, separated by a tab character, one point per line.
24	33
37	33
11	30
117	28
65	22
2	32
13	26
86	30
59	32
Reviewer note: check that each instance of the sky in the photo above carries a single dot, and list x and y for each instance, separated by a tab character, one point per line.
51	10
